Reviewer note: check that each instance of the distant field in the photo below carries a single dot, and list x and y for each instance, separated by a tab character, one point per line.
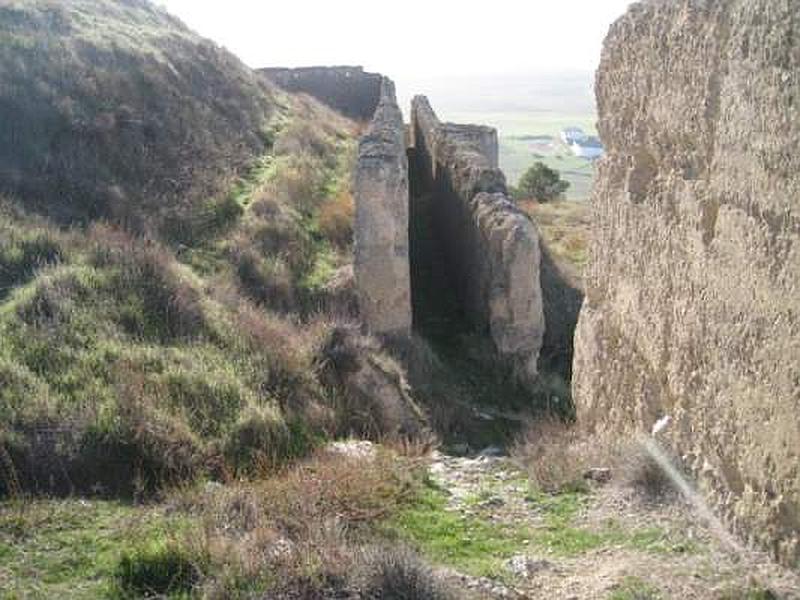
521	107
518	151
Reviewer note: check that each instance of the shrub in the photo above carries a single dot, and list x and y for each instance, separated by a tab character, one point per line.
194	224
372	396
541	183
298	533
302	180
302	136
139	452
353	490
553	454
210	400
336	219
51	299
20	392
266	281
158	570
399	574
156	299
262	441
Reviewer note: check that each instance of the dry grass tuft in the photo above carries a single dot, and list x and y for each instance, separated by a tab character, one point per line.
399	574
336	219
554	454
640	472
306	531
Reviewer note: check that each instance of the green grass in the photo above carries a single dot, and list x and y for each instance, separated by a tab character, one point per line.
468	543
72	548
562	537
752	592
158	568
107	332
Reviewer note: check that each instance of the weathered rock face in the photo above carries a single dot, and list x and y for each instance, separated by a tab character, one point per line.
381	228
349	90
492	247
692	302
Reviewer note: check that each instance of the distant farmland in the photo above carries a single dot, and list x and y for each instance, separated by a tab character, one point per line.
529	111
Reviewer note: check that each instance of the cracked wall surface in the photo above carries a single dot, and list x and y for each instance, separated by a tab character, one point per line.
692	303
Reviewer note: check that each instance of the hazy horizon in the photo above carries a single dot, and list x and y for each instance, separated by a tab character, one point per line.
424	39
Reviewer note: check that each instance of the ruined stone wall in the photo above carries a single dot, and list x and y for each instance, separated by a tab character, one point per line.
348	90
492	247
693	287
381	226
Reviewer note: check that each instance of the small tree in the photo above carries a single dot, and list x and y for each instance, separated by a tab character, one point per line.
541	183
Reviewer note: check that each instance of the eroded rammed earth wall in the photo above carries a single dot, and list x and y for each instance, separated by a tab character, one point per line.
693	287
492	247
381	225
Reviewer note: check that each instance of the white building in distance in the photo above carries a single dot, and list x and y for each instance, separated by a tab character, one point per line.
570	135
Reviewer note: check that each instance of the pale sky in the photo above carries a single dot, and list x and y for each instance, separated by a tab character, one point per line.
408	38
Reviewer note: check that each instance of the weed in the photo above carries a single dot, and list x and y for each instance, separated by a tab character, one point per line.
336	219
553	454
398	574
262	441
642	473
753	591
633	588
158	569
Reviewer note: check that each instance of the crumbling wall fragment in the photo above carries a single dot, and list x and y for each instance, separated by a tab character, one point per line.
492	246
381	227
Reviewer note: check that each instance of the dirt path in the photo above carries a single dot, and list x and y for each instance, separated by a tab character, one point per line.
605	544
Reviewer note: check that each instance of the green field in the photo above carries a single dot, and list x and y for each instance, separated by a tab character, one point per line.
519	106
518	151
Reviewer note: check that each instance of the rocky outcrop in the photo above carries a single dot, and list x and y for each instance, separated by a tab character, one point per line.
692	300
348	90
381	227
492	247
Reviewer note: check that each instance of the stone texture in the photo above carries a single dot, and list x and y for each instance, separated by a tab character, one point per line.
349	90
381	228
692	302
493	247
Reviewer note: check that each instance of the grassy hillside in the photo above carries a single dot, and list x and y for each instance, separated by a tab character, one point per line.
125	366
174	249
116	109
